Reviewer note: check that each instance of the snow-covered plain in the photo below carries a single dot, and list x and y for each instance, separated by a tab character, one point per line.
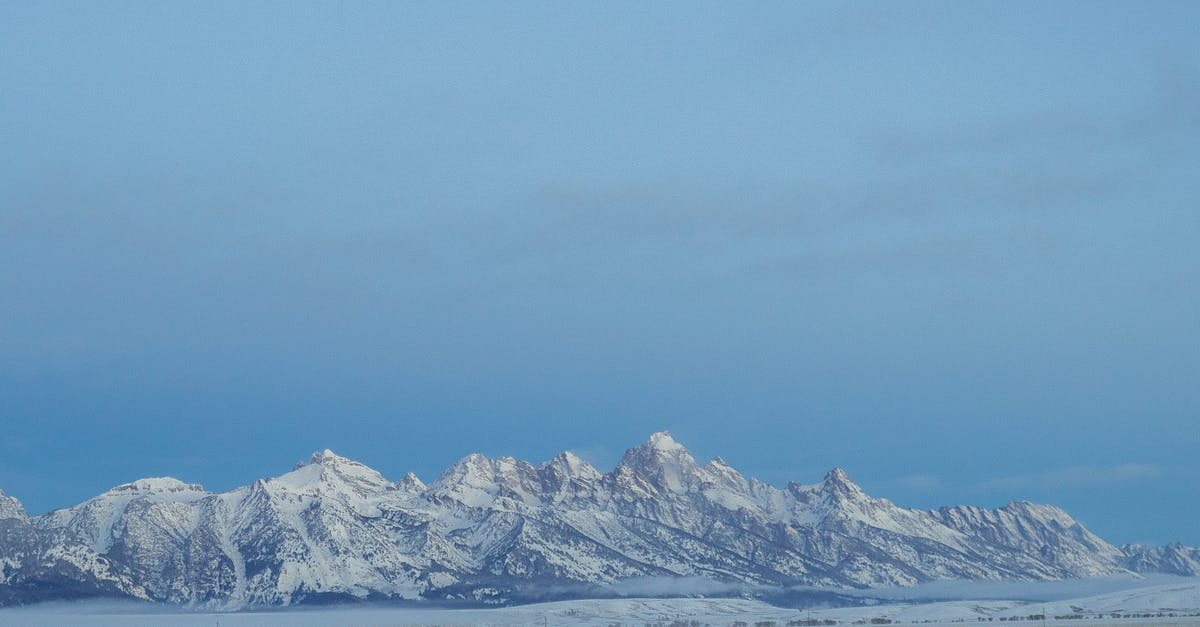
1162	605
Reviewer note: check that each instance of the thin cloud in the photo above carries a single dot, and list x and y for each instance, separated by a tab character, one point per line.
936	219
1169	110
1075	476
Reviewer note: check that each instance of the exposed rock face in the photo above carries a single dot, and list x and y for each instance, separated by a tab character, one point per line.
498	530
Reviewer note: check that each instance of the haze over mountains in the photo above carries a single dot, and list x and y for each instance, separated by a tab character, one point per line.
505	530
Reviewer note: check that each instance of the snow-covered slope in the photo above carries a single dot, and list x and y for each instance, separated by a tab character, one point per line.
500	530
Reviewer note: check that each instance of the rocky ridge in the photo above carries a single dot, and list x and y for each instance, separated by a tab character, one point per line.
504	530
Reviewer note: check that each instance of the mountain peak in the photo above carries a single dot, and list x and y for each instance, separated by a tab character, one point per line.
569	458
326	457
658	447
155	485
412	483
344	465
571	465
837	482
662	441
661	461
329	469
718	472
11	508
837	475
471	480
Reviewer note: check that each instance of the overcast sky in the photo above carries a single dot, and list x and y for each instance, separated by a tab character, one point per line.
950	247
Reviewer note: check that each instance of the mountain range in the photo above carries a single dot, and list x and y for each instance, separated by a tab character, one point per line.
495	531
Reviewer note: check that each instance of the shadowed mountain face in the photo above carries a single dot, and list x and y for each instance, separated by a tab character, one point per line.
504	530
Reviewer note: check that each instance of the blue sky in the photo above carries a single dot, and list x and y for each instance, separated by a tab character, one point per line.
950	247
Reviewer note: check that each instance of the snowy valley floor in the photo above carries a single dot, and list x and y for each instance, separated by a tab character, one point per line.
1159	605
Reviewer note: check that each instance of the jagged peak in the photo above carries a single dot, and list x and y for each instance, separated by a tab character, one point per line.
473	459
571	465
412	483
509	464
839	480
569	458
474	468
10	507
155	485
838	474
718	473
662	461
718	466
659	446
835	485
838	483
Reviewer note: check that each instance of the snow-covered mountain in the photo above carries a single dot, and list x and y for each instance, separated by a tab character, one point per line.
503	530
52	563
